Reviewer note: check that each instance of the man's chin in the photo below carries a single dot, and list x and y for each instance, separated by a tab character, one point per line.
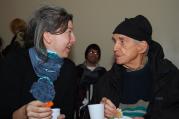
119	62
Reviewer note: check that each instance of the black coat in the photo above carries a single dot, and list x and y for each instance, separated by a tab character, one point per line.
165	98
17	76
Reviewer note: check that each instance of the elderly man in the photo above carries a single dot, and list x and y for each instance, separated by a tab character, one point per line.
141	82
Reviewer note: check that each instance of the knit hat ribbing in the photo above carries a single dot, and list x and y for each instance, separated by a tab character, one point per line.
138	28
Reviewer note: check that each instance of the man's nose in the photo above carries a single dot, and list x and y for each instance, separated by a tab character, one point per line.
117	46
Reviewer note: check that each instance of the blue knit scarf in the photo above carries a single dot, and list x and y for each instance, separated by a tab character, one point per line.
47	72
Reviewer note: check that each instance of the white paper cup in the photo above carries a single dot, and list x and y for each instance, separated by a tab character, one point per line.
96	111
55	113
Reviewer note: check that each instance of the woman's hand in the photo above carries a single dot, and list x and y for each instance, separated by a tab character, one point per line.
37	109
109	108
33	110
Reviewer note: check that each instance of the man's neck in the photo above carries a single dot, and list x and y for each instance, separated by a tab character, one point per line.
138	64
90	64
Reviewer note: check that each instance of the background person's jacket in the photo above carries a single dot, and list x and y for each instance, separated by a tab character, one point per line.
86	83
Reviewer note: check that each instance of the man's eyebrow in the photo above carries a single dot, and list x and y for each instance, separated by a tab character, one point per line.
121	37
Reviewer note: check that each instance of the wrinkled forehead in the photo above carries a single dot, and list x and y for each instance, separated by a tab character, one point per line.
121	36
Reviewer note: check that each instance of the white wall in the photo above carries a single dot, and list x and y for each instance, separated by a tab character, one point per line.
94	21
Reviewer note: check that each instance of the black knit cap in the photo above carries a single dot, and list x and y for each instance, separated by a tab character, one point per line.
138	28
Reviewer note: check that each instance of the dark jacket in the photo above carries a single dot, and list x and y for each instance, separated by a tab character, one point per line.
164	103
86	78
17	76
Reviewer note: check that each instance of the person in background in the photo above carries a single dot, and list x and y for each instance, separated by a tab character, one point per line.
43	73
141	78
17	27
88	74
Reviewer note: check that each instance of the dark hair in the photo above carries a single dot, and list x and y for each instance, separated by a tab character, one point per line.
47	19
95	47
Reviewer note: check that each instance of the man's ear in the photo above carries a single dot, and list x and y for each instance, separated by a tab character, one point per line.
142	46
47	37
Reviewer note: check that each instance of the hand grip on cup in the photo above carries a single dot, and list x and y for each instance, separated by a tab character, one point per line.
96	111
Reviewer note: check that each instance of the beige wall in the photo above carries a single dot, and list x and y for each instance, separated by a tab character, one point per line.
94	21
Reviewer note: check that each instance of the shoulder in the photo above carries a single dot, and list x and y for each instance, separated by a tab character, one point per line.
107	78
165	68
112	76
166	65
80	66
68	72
103	68
17	58
68	62
68	66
